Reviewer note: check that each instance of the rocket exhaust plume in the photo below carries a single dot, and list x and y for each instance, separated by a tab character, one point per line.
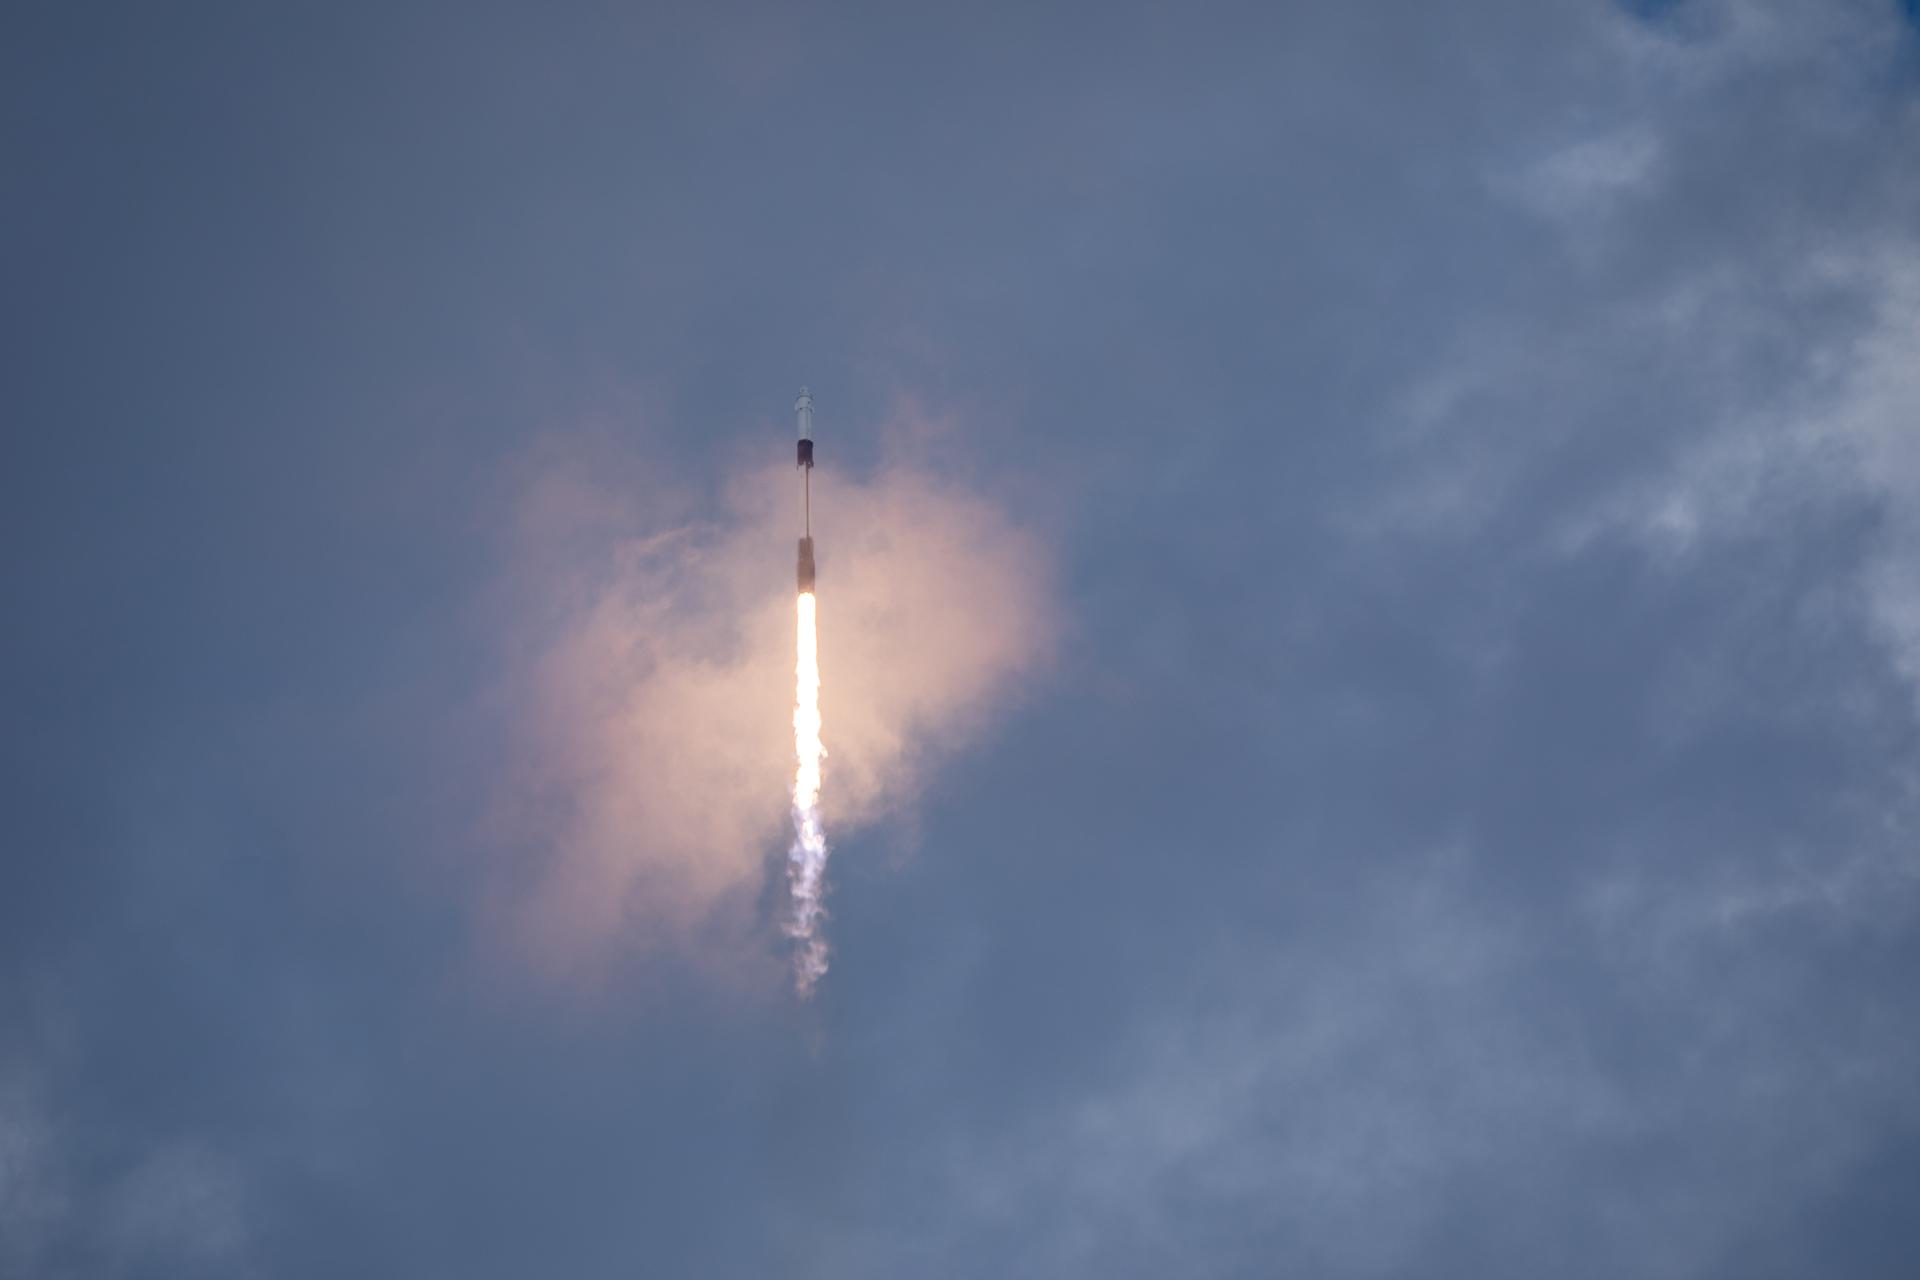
807	857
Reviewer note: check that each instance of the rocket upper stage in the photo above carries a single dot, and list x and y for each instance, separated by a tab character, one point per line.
803	411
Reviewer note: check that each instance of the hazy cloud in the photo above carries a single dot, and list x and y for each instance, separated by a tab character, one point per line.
1471	835
658	680
171	1207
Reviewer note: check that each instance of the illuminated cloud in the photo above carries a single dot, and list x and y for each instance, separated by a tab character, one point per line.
655	683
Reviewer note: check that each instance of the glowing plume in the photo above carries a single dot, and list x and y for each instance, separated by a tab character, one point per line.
807	859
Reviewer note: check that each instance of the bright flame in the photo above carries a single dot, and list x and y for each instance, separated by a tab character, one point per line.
807	859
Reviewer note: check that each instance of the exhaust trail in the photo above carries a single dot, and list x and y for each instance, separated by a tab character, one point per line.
807	857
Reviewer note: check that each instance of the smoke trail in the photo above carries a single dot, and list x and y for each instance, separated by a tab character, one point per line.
807	858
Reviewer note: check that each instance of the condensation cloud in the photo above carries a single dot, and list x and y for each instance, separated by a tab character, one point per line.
652	684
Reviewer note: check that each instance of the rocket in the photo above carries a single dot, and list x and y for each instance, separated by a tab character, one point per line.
803	411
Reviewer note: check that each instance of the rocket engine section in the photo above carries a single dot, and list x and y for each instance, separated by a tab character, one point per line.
806	566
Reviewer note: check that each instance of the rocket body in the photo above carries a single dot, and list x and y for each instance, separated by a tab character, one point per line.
806	566
803	413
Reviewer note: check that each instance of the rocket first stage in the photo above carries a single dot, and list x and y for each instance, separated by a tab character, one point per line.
803	410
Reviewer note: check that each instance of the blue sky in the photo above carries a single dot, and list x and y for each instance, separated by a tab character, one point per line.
1370	613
